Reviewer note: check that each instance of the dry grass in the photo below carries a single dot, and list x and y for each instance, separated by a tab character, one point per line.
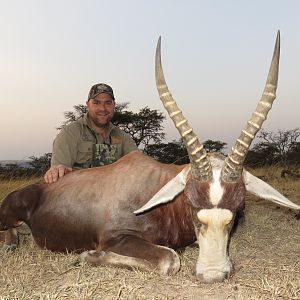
265	250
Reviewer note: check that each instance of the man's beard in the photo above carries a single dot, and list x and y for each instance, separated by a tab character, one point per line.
98	124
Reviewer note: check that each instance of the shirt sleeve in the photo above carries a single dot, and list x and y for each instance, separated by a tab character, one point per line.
128	144
64	149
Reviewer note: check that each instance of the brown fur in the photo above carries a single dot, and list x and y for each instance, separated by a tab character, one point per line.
93	209
90	209
197	194
234	195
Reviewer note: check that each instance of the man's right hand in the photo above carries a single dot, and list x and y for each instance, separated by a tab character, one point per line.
56	172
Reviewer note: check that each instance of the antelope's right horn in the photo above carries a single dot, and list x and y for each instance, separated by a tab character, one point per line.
233	166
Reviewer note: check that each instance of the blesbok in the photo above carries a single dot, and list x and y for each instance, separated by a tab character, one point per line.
99	209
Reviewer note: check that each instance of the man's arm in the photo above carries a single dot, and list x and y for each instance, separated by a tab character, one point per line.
128	144
63	156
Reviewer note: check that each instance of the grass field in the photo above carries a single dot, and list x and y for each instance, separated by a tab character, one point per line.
265	250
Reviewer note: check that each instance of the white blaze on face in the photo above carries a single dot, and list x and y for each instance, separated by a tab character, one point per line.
216	190
213	263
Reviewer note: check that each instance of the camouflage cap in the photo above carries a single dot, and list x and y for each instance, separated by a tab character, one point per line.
100	88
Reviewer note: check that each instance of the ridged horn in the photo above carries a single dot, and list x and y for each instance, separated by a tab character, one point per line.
201	167
233	166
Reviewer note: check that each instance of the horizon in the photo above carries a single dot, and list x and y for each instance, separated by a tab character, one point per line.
215	58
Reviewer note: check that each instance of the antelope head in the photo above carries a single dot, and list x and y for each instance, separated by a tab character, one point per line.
215	187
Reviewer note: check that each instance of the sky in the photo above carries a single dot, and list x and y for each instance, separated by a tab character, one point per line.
215	55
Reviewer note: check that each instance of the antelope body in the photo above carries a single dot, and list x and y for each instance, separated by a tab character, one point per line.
106	210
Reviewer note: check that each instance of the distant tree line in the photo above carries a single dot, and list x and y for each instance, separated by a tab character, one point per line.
37	167
276	148
146	129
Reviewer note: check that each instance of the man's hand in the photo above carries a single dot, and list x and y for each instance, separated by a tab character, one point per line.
56	172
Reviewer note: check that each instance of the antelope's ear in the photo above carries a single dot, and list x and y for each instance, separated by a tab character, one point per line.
263	190
168	192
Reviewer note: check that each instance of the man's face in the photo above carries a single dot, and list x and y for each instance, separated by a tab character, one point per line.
101	109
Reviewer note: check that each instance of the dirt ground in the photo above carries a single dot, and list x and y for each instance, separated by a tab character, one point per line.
265	250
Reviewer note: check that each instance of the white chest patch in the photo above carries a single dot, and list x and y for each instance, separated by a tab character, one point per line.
216	191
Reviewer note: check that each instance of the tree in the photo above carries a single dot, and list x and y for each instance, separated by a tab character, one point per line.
172	152
175	151
145	127
13	171
70	116
283	141
36	167
293	157
262	154
214	146
280	147
40	164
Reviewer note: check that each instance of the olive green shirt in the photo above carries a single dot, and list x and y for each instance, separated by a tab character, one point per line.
78	146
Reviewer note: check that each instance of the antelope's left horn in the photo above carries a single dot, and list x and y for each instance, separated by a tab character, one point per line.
233	166
201	168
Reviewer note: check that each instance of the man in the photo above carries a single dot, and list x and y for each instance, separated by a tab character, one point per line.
92	140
